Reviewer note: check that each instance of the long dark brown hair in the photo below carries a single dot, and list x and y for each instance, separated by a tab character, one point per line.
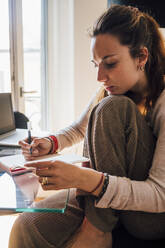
136	29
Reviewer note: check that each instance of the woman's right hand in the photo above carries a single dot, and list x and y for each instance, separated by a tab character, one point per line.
38	147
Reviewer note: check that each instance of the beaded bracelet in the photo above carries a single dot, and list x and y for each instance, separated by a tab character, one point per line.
52	145
104	188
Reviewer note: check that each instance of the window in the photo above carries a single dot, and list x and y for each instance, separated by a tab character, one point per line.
21	56
5	85
31	13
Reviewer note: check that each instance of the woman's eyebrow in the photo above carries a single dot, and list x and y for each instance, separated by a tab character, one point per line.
105	57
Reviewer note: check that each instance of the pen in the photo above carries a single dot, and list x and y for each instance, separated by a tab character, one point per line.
29	135
19	171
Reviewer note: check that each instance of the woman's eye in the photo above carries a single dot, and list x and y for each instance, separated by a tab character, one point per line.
110	65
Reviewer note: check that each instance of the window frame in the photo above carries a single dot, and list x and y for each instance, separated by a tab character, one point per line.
17	58
16	52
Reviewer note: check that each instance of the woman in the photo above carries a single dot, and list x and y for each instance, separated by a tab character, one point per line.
124	140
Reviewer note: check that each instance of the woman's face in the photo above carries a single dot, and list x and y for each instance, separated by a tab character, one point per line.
116	69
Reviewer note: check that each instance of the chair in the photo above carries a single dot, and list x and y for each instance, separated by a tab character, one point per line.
20	120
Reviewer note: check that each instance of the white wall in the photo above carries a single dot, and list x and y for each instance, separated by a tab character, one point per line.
72	78
85	14
60	63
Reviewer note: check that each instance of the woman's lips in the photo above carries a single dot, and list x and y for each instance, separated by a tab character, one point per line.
110	88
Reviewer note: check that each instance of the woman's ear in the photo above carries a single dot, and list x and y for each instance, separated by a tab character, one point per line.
143	57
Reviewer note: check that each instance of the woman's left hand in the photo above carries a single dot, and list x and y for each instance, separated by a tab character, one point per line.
55	174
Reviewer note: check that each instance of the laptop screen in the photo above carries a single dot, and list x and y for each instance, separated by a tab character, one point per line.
7	121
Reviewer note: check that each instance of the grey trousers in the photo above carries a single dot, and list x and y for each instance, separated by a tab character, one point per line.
119	142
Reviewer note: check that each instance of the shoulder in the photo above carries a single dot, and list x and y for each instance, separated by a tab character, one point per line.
160	104
158	114
161	98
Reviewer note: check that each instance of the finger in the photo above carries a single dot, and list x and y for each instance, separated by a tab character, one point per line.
23	144
28	153
28	150
25	141
33	152
52	185
40	179
38	141
29	158
42	172
40	164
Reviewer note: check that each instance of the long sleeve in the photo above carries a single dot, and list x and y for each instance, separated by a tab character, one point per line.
149	195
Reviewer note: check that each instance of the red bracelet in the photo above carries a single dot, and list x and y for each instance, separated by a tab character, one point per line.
86	164
55	141
99	183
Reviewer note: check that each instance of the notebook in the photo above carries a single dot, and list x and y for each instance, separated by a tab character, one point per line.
9	135
14	165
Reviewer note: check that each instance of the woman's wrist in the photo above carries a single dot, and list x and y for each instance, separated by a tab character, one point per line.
54	144
90	180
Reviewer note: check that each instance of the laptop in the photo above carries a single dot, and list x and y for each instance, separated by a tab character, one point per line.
9	135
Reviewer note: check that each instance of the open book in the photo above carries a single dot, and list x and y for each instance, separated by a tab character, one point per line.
14	165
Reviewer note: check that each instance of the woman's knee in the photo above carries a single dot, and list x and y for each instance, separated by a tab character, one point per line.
45	229
18	233
27	232
116	108
115	102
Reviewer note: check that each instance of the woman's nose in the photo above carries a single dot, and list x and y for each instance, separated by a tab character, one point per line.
101	74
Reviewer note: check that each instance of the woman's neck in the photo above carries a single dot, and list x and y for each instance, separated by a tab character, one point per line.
139	100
